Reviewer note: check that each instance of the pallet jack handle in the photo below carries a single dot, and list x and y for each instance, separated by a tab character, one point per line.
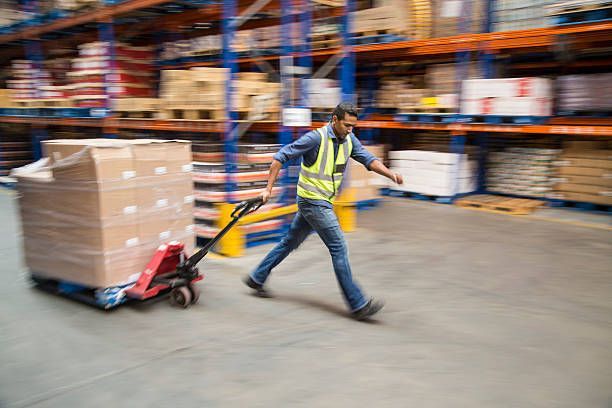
242	209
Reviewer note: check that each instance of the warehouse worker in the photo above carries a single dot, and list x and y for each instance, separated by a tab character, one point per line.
325	153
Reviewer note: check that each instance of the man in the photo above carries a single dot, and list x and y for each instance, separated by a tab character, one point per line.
325	153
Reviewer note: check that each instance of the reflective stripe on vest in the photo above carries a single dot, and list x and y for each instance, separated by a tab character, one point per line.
320	181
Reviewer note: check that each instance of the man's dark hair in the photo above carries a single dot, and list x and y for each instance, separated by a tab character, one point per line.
342	109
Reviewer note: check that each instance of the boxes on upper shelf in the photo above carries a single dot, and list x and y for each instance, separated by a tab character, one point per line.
507	97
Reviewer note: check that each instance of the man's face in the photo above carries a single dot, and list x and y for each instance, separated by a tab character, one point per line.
342	127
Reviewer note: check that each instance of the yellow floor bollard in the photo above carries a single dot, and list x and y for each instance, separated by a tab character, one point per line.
347	216
346	210
234	241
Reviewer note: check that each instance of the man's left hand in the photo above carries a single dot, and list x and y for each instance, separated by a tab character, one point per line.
398	178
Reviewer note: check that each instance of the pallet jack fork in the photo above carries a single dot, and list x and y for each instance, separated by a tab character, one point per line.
172	270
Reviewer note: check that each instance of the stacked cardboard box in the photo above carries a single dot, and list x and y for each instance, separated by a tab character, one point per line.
39	85
399	93
28	80
520	15
387	19
433	172
416	16
522	171
507	97
188	91
441	80
457	17
360	184
94	211
105	70
584	93
584	173
200	93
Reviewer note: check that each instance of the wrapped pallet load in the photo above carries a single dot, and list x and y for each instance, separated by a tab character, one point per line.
94	211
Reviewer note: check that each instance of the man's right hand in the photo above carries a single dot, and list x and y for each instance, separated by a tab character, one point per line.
265	196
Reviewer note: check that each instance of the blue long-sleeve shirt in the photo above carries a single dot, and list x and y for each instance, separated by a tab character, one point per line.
307	147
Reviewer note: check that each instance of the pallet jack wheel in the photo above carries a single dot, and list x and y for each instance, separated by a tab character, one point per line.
195	293
181	297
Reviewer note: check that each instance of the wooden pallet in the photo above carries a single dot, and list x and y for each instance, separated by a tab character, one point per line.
192	113
44	103
373	33
134	114
321	42
499	204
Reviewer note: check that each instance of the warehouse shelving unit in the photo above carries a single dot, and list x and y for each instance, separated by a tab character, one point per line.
486	47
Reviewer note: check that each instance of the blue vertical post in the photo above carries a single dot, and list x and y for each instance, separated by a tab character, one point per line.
229	62
347	69
458	147
286	68
464	26
486	61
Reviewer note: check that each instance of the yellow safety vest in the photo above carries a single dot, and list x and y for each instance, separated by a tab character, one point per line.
322	180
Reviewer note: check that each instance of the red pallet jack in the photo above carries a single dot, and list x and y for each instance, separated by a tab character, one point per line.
171	270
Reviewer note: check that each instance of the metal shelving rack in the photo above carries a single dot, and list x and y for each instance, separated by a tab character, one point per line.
485	45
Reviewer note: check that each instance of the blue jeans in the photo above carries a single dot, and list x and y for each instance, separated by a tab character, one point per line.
323	220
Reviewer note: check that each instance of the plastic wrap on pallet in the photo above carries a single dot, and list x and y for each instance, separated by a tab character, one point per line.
521	171
94	211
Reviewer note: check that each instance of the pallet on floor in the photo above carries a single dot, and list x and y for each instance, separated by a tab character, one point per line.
499	204
104	298
367	204
417	196
8	182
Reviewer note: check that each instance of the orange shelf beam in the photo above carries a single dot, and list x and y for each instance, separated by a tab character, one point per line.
211	126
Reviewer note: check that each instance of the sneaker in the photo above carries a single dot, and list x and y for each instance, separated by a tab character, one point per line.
370	309
259	289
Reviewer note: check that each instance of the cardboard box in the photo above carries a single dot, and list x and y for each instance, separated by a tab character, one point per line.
565	161
600	154
98	159
253	76
206	74
584	171
583	188
604	182
103	232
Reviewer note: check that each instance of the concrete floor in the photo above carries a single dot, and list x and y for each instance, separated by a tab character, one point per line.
483	310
